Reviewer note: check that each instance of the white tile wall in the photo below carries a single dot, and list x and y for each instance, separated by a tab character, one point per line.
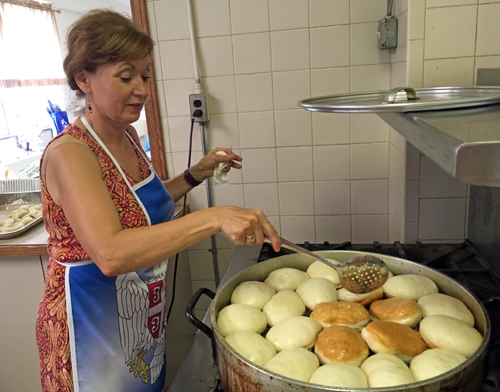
330	47
331	163
211	18
369	228
370	196
368	128
256	129
252	53
336	229
297	228
369	161
295	164
296	198
254	92
330	81
488	27
364	46
450	32
290	87
249	17
288	14
332	197
330	128
293	128
290	50
328	13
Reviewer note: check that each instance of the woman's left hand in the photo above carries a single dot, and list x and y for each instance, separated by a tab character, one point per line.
205	168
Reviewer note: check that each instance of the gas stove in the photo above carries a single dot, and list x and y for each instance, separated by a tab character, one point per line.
461	262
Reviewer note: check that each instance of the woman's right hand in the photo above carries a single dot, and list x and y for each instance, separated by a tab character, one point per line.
242	225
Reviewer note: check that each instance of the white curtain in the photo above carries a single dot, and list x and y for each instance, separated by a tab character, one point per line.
30	53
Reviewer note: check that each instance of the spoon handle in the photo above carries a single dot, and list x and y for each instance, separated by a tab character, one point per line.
300	249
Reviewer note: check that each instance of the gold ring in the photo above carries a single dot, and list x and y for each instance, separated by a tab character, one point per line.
250	238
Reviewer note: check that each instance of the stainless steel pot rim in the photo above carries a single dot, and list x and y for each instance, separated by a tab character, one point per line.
350	254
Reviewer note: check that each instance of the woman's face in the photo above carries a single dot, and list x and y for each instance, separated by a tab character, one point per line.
118	91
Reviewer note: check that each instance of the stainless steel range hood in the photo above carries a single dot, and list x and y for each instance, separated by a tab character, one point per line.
464	142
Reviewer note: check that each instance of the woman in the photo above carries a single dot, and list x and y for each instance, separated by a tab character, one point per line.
101	321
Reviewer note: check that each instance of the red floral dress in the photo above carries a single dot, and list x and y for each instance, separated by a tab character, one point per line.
51	322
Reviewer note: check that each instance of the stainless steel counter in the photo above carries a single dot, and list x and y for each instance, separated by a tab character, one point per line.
198	371
465	143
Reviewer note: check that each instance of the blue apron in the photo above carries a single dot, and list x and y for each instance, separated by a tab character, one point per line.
117	324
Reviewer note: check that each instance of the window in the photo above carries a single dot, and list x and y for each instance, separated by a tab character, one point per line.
30	67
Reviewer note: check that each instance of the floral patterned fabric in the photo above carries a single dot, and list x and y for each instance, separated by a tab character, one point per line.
51	322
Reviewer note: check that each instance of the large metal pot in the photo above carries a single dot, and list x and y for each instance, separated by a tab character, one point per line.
238	374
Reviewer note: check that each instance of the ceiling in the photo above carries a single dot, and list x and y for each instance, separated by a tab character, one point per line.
82	6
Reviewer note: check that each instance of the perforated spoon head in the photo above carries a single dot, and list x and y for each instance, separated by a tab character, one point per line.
363	274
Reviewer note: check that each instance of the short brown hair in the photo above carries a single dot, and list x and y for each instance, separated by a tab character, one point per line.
100	37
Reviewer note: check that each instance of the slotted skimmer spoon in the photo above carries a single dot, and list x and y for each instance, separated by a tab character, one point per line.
359	275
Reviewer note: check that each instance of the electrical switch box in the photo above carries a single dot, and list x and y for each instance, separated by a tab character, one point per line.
388	33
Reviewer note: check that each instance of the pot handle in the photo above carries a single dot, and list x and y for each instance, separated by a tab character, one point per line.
190	308
198	323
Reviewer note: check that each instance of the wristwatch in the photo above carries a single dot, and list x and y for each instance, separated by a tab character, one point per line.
190	179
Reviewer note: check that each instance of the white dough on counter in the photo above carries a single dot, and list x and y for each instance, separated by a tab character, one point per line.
284	304
433	362
286	278
316	290
450	333
409	286
238	317
319	269
252	346
253	293
386	370
437	303
297	363
343	375
294	332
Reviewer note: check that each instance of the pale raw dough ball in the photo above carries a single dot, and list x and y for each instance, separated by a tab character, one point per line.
7	229
342	375
38	215
316	290
363	299
437	303
252	346
386	370
26	208
21	213
26	220
319	269
9	222
284	304
286	278
294	332
238	317
450	333
433	362
253	293
297	363
409	286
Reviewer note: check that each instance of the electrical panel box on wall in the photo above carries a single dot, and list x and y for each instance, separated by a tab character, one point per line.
388	33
